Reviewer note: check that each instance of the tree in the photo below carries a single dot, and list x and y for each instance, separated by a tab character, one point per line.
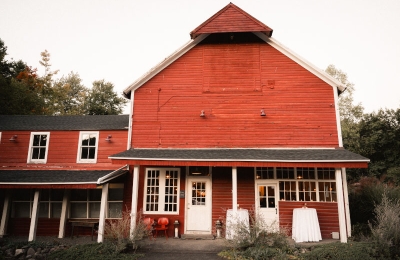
18	87
102	100
350	116
69	95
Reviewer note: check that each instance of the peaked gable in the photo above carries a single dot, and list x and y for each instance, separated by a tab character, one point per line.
231	19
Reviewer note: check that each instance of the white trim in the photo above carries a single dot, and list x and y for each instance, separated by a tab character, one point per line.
346	202
134	203
166	62
340	204
34	216
103	211
111	175
78	157
5	215
29	159
46	183
301	61
234	189
64	214
337	114
161	194
128	145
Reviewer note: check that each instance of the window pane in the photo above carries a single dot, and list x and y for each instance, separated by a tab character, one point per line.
85	140
44	210
115	209
92	153
116	194
85	153
42	153
35	153
92	140
57	195
264	173
78	210
78	195
95	195
23	195
94	210
45	195
22	209
56	210
43	140
36	140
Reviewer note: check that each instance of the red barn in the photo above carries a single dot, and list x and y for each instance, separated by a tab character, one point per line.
55	172
235	120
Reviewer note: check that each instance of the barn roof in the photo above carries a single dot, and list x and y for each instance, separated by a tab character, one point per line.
231	19
225	21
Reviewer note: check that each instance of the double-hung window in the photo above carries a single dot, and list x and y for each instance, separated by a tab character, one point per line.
161	191
38	147
87	148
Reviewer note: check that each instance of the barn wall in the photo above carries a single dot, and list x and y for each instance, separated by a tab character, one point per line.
232	83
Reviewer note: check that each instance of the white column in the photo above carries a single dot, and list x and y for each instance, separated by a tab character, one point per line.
34	217
135	187
340	202
234	188
64	214
4	216
103	209
346	202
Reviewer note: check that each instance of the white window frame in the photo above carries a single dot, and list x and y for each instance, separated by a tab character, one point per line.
161	200
30	151
297	179
94	160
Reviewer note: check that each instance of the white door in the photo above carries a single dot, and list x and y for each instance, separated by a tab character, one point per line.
198	216
267	205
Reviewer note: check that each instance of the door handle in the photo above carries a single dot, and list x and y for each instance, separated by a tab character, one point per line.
276	211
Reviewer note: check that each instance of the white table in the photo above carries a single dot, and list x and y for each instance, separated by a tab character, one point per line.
305	227
234	220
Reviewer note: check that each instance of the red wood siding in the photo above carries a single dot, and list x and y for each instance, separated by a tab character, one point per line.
232	83
230	19
63	149
327	215
221	193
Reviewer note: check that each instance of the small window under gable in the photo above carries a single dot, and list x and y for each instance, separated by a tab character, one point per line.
87	147
38	147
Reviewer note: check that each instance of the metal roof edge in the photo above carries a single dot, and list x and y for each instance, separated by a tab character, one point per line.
112	175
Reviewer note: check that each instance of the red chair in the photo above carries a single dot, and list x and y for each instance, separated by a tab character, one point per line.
162	224
149	223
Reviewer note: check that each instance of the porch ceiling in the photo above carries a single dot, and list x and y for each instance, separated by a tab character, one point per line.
328	157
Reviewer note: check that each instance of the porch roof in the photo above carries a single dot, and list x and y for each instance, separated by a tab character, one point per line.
259	157
57	178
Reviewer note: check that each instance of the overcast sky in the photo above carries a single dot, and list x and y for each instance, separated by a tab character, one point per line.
120	40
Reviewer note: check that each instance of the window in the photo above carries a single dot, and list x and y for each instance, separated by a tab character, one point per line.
161	190
302	184
38	147
86	203
49	205
87	148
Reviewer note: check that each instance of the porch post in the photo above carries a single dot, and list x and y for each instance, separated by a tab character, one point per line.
135	187
5	215
64	214
102	217
234	188
340	202
34	216
346	202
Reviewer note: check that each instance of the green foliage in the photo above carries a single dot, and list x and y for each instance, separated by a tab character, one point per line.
102	100
362	200
348	251
91	252
257	240
385	230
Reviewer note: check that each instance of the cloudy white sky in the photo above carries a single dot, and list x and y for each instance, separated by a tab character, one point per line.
120	40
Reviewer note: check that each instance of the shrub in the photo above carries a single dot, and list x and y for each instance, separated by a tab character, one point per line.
350	251
385	230
117	232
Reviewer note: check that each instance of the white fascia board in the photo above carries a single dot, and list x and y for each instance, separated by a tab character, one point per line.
112	175
301	61
166	62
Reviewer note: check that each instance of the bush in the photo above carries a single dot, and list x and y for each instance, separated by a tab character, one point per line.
385	230
350	251
256	240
